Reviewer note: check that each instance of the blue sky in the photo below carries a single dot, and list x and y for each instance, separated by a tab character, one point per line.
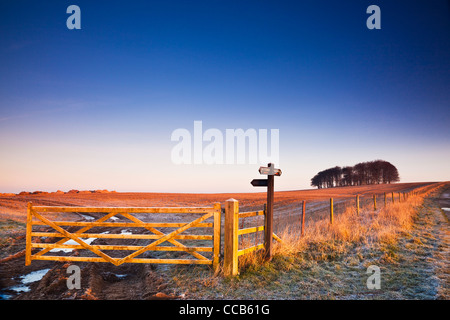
94	108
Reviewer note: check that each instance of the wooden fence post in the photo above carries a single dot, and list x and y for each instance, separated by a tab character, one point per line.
357	204
374	202
331	210
393	201
28	235
265	216
216	236
303	217
385	199
230	264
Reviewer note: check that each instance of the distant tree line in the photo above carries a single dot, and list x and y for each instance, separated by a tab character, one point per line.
371	172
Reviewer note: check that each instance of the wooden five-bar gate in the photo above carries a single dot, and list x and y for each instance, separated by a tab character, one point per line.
36	216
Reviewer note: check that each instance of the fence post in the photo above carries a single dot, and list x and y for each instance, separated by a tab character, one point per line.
265	215
399	198
230	264
216	237
28	236
374	202
357	204
385	199
331	210
393	201
303	217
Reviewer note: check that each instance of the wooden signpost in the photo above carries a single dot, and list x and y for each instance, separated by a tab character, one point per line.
270	171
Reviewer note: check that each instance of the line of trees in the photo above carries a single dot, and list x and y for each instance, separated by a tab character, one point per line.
370	172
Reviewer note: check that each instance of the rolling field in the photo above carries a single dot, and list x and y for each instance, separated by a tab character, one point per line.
14	207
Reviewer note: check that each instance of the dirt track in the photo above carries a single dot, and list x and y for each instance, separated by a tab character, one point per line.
133	281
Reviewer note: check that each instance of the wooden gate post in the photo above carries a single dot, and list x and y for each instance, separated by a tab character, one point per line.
230	263
28	235
216	236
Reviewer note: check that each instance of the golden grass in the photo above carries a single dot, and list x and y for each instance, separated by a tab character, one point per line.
369	228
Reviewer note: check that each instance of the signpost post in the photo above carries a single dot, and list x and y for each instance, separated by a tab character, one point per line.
270	171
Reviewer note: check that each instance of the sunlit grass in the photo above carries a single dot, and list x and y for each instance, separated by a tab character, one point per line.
324	241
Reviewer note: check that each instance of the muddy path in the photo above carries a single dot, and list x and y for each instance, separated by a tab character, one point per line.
444	202
443	231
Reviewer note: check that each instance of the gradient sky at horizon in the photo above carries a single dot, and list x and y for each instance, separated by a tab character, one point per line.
95	108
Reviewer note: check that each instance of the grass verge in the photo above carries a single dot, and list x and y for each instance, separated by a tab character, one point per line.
331	261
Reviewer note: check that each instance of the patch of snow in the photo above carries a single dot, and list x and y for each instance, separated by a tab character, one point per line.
34	276
20	288
87	217
446	209
72	242
29	278
4	296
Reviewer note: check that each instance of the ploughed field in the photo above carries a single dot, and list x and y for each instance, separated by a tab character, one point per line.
14	207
